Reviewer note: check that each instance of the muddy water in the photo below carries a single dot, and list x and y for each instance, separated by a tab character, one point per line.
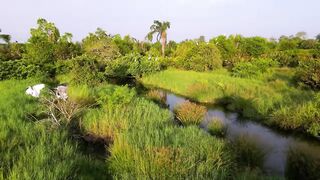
275	144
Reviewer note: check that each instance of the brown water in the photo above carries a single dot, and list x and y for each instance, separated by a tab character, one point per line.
274	143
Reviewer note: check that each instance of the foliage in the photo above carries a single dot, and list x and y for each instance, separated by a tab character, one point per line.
159	28
86	70
18	69
189	113
308	73
101	46
132	65
291	58
46	45
118	96
226	46
197	56
126	44
254	68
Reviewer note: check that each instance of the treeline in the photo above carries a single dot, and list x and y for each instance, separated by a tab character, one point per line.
101	55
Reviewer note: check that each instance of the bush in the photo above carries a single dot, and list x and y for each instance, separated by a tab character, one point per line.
291	58
86	70
63	66
117	96
308	73
132	64
217	128
17	69
198	56
189	113
254	68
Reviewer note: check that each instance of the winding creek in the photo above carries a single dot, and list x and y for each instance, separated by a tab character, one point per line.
274	143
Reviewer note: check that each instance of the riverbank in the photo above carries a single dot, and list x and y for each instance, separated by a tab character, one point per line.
272	99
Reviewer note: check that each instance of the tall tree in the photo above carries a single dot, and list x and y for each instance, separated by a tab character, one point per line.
160	29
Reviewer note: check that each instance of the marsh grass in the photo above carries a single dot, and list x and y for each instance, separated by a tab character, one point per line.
144	143
302	163
157	96
248	154
189	113
271	99
29	150
216	127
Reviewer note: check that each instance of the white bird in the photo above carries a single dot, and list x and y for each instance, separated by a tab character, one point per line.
35	90
61	92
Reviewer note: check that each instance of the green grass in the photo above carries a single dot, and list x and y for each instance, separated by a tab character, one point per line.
302	163
30	150
189	113
145	143
272	99
217	128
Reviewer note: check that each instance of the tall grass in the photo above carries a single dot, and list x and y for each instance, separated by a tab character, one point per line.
146	144
29	150
302	163
189	113
271	99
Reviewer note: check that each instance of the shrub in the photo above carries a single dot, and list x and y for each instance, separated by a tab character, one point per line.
17	69
308	73
132	65
117	96
198	56
247	152
86	70
302	163
254	68
291	58
63	66
217	128
189	113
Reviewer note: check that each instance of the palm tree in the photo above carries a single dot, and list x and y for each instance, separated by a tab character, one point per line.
159	28
5	37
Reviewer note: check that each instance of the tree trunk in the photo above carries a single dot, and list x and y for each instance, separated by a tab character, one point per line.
163	42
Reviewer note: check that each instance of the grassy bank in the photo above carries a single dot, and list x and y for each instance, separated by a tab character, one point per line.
145	143
271	98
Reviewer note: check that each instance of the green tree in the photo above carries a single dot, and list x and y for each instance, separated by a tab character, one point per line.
191	55
46	45
159	28
100	45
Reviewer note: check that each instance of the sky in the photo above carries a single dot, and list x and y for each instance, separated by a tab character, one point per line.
189	18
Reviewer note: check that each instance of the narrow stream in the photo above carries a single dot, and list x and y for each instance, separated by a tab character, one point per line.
275	144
